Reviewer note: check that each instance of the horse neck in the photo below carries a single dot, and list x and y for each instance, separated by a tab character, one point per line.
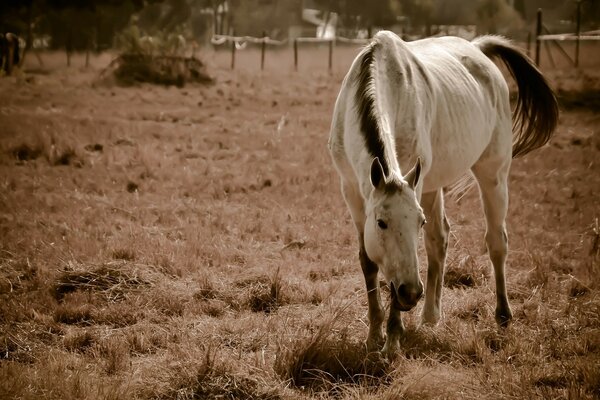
385	116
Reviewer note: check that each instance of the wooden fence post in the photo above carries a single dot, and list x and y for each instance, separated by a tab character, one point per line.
578	33
529	44
69	46
262	51
232	52
296	54
538	32
87	51
330	54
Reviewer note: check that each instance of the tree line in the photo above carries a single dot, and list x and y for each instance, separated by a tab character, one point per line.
94	24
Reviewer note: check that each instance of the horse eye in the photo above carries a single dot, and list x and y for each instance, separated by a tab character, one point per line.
423	223
381	223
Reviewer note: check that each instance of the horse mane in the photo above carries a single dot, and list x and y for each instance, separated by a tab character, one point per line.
365	104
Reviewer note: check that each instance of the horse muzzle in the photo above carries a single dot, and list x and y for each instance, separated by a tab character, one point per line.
405	296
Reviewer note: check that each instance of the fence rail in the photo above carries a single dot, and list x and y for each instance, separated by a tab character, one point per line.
577	37
240	43
568	36
221	39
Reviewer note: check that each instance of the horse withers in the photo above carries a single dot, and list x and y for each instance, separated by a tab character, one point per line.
436	107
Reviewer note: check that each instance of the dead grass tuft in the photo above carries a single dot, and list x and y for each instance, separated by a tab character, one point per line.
146	339
16	276
589	374
26	151
169	302
213	308
123	254
475	309
329	357
455	279
132	187
456	343
58	149
324	275
97	147
119	314
115	351
581	378
207	290
73	313
110	279
463	274
554	380
577	289
79	341
266	294
220	384
65	156
132	69
201	376
9	346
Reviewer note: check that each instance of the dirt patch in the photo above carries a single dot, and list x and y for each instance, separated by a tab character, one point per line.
586	99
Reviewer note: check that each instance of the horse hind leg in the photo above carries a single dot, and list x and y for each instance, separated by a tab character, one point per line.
436	230
492	177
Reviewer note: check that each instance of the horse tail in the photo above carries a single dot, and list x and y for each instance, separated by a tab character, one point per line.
536	113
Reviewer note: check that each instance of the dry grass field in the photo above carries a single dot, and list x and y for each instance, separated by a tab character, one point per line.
191	243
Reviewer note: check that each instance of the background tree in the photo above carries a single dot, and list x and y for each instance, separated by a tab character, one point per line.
419	12
495	14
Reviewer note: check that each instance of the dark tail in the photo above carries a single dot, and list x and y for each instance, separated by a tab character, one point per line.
536	115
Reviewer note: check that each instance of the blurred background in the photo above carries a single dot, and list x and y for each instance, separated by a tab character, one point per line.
99	25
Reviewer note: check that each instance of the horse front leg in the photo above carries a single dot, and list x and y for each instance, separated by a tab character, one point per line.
394	330
375	315
370	270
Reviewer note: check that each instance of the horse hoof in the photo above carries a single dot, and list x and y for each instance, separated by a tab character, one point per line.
429	320
503	317
374	344
390	351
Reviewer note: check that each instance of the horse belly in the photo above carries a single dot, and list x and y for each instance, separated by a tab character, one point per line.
456	147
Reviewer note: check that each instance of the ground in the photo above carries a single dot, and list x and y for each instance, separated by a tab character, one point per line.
178	243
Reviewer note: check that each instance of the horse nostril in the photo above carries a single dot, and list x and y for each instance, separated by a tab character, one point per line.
402	292
409	293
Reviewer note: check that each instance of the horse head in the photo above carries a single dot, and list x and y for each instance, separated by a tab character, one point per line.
393	221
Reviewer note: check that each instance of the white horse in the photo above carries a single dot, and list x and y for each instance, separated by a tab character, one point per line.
440	106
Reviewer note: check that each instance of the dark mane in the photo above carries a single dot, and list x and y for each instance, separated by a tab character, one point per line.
365	104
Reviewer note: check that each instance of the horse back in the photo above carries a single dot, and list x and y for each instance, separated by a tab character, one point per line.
471	109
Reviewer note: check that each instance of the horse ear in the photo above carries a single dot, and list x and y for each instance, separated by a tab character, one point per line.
413	175
377	174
